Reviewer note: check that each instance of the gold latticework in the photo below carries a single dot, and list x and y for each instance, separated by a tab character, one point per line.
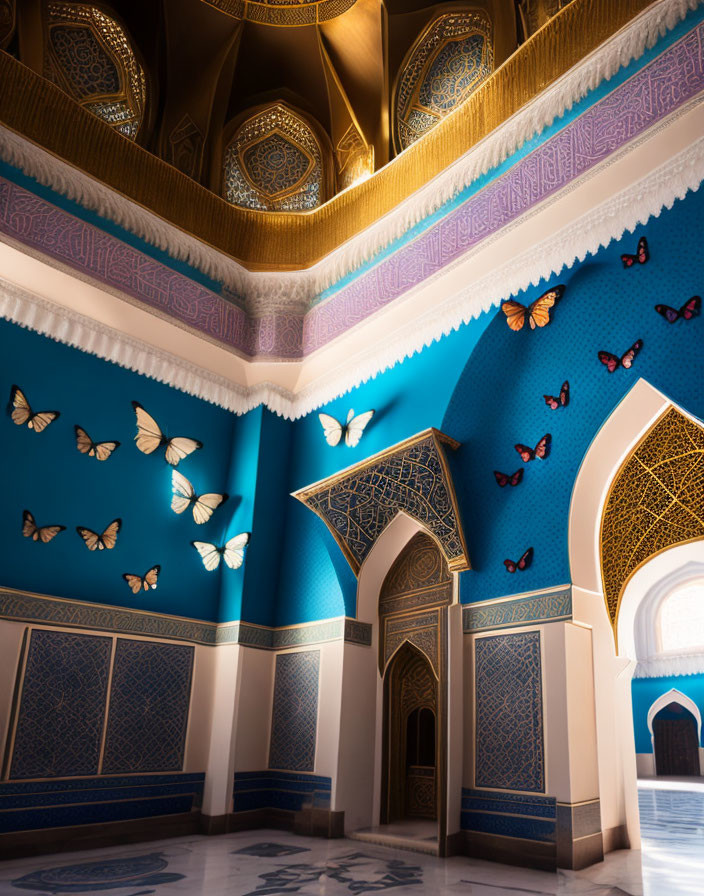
284	13
656	501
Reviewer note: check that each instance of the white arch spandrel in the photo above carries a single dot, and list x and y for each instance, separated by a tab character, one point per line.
675	696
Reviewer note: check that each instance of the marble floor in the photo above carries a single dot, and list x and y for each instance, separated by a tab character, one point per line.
267	863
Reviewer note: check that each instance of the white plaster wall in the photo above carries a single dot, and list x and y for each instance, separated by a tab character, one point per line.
581	714
11	634
329	709
253	702
220	724
645	764
355	766
201	712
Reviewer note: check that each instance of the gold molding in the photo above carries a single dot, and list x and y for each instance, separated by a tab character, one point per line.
41	112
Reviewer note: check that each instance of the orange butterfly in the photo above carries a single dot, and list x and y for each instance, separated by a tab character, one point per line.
38	533
538	312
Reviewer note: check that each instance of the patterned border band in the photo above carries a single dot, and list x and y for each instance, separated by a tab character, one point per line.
21	606
525	609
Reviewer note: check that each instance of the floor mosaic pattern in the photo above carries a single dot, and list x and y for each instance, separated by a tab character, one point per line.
268	863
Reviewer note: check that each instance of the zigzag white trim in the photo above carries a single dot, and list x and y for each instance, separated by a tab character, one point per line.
586	235
670	666
294	291
625	211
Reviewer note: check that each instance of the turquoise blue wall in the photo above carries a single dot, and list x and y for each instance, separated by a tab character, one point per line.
484	386
645	691
45	473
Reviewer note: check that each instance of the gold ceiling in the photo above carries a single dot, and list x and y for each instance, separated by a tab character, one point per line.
205	72
282	13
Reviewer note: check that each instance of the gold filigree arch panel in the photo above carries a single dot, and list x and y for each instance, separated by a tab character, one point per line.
655	502
412	477
419	577
284	13
448	61
90	56
275	161
7	21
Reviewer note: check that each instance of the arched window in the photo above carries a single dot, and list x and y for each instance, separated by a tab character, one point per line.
274	162
681	618
89	55
449	60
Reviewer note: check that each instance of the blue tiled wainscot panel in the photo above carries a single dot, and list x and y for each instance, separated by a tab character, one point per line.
509	814
295	713
30	805
280	790
149	698
509	712
62	708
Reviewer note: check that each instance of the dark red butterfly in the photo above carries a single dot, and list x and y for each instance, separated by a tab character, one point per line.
541	450
523	563
613	362
506	479
641	256
690	309
562	400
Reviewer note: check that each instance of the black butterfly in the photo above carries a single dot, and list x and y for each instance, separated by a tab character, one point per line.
690	309
561	400
523	563
641	256
504	479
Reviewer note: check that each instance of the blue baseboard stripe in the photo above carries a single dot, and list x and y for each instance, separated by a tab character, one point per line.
291	791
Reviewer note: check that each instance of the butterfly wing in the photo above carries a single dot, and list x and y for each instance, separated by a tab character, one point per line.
20	409
552	402
209	554
29	527
610	361
135	582
109	536
642	253
46	533
628	359
691	308
90	538
355	428
539	311
180	447
332	429
628	260
670	314
103	450
516	477
526	453
84	443
565	394
234	550
149	435
542	449
151	576
183	492
501	478
515	314
526	559
510	565
204	506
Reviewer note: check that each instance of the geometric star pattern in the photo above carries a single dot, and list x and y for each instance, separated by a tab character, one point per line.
510	752
148	715
295	712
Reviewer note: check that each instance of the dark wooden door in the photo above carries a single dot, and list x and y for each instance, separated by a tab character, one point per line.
676	746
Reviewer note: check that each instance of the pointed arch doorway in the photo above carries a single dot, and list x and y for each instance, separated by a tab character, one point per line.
413	663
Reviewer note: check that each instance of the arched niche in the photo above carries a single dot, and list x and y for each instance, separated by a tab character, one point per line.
275	159
675	696
90	55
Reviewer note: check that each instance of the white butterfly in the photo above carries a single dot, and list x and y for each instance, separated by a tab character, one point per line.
353	428
232	552
185	496
150	437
